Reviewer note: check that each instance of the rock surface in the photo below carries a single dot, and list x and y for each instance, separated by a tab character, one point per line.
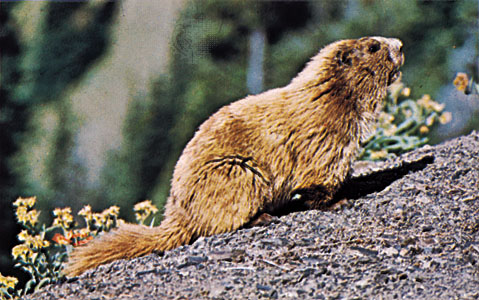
416	239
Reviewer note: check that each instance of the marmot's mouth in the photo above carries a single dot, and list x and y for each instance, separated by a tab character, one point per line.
393	76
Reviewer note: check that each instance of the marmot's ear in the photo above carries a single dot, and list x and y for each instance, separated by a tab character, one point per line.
344	57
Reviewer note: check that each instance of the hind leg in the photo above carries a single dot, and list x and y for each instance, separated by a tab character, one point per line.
225	194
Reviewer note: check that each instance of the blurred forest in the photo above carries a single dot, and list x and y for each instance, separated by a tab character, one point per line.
118	143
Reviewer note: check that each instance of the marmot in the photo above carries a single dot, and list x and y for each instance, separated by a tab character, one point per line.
255	155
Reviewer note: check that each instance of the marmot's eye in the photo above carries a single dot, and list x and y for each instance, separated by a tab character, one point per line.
374	48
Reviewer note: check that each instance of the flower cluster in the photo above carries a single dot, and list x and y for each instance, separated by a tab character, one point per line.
64	219
32	254
25	215
44	249
7	284
143	210
463	84
94	222
107	219
403	124
28	217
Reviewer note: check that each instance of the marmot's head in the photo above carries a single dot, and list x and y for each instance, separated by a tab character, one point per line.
355	64
384	53
349	79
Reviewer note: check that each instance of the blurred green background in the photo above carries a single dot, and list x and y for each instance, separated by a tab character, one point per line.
97	99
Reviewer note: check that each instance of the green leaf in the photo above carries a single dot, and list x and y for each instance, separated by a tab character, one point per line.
152	223
5	292
42	283
29	285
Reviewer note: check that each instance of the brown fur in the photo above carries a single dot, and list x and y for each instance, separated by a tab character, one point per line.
253	155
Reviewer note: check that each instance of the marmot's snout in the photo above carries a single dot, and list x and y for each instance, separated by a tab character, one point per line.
395	52
396	56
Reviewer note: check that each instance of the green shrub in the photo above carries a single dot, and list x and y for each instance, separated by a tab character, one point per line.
403	124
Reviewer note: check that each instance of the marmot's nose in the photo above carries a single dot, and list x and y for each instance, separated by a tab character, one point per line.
396	44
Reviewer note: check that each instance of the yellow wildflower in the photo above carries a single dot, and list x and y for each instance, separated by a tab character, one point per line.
146	206
112	211
35	242
26	217
427	102
25	202
143	210
140	217
18	202
39	241
99	219
63	217
8	281
445	117
461	81
32	216
108	220
423	129
21	213
425	99
379	154
23	236
109	223
385	118
61	211
86	213
21	250
406	92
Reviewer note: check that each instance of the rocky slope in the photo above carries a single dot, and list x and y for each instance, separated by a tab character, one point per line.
416	237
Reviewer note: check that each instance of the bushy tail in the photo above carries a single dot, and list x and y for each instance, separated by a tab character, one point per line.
128	241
